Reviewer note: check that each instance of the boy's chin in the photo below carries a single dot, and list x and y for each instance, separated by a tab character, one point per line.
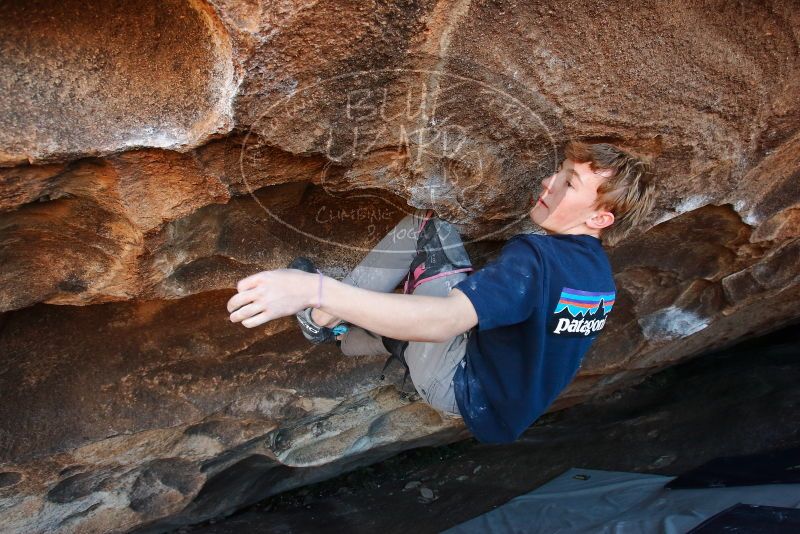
540	222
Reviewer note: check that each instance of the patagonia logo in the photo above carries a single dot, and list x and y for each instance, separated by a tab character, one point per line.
581	313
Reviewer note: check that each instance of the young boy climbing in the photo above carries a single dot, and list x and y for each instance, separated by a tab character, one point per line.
495	347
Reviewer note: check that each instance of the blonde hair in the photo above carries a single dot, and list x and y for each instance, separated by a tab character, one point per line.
628	193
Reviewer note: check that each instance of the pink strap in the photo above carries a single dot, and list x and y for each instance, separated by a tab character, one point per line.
434	277
425	219
428	215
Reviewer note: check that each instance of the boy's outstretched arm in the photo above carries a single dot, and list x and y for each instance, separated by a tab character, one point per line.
269	295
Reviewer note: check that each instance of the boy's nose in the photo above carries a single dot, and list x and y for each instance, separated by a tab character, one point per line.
546	185
544	192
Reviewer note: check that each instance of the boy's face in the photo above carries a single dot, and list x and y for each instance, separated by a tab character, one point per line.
567	202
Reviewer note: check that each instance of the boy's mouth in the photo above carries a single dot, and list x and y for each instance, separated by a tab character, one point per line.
535	200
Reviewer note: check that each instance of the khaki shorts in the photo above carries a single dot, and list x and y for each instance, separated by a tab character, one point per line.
431	365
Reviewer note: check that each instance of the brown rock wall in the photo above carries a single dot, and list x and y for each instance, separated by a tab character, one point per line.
85	79
154	154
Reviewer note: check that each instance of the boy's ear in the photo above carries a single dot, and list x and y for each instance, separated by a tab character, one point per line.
601	219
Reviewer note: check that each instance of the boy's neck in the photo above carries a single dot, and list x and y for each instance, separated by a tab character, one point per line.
595	234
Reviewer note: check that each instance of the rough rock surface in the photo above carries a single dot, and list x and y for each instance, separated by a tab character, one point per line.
94	79
643	429
154	154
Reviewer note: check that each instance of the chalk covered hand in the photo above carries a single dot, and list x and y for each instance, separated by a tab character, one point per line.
270	295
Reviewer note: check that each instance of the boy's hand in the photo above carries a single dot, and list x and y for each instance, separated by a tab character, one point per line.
269	295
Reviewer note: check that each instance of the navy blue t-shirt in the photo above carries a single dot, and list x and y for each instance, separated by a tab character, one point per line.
540	305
